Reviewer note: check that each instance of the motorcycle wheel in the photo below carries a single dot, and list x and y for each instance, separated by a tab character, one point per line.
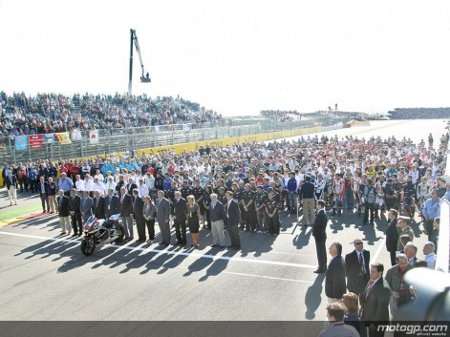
87	246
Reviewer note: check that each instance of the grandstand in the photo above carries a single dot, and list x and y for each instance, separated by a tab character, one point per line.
44	113
287	116
419	113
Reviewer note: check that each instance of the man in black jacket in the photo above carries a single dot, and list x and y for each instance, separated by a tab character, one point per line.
357	268
178	211
63	212
392	235
307	196
138	205
111	204
375	301
126	210
75	213
130	186
98	205
233	216
319	232
335	277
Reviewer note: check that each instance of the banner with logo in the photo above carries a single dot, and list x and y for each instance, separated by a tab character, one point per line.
35	141
76	135
93	136
21	143
63	137
49	138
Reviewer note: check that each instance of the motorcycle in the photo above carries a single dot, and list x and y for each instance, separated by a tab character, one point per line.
98	232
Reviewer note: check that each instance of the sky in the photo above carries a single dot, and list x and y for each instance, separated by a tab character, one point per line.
235	57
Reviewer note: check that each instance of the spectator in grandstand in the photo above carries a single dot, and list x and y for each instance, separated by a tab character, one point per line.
48	113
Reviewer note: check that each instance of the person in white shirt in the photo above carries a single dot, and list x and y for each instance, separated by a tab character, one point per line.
88	183
143	188
429	254
79	184
110	184
149	180
99	186
99	175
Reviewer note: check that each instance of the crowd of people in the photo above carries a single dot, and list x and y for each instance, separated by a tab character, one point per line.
362	294
419	113
247	186
366	177
47	113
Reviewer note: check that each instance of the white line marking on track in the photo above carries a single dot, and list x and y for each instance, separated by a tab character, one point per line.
268	277
168	252
295	254
380	247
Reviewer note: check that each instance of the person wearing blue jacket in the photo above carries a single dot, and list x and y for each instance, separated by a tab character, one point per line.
430	211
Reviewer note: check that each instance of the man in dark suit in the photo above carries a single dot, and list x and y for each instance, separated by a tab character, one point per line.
392	235
357	268
43	188
98	205
335	277
86	206
75	214
163	217
130	186
138	205
126	210
111	204
233	215
319	232
63	212
178	211
307	196
375	301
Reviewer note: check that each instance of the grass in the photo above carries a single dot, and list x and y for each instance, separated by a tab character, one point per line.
14	212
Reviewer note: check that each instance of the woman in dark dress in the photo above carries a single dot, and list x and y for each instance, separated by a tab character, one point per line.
149	212
193	216
206	203
272	220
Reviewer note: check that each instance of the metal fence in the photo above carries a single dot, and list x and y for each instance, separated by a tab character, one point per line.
118	140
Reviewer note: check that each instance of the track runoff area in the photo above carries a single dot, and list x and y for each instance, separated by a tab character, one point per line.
45	277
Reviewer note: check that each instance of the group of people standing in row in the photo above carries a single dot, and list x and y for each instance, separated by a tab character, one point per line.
360	293
76	208
351	174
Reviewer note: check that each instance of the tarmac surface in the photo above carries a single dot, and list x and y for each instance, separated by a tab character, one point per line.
44	276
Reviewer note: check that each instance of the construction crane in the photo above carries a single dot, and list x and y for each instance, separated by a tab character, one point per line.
134	43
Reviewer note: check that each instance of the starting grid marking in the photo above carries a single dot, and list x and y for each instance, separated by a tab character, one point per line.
175	253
